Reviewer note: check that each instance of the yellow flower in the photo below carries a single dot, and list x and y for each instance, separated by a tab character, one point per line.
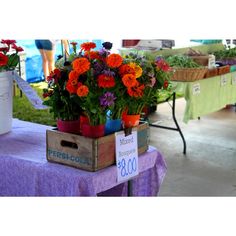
137	68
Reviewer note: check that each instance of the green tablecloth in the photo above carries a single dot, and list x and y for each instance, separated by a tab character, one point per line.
207	95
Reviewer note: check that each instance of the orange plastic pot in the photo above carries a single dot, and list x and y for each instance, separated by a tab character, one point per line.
130	120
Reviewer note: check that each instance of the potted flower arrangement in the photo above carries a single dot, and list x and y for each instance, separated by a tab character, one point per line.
100	85
9	59
66	111
142	85
96	86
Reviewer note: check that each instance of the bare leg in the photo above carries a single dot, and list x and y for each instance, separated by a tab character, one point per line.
44	63
49	54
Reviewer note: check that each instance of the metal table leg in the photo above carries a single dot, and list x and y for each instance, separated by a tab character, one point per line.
176	123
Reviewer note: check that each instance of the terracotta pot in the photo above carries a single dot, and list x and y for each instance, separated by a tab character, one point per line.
130	120
93	131
69	126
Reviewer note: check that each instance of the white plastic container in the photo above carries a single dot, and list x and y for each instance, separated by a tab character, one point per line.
6	88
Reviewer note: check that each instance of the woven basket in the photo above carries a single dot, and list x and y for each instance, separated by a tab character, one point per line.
201	60
211	73
223	70
188	74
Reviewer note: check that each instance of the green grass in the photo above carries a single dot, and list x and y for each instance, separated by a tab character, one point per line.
23	110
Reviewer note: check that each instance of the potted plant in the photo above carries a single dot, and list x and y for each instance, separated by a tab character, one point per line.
66	111
142	85
100	85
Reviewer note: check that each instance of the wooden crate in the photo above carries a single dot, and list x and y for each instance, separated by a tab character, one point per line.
88	153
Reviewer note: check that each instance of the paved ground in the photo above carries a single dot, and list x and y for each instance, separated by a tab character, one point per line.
209	167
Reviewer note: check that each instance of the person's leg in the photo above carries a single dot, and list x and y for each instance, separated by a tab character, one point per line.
44	63
46	48
49	55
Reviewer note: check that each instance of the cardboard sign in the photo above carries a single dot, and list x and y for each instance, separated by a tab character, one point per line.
32	96
196	89
126	156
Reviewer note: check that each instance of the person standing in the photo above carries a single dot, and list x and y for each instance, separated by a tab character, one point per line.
47	51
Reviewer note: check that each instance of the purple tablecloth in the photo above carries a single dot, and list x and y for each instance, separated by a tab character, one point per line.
24	170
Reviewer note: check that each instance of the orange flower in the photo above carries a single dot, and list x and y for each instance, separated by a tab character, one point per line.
129	80
81	65
126	69
114	60
73	75
87	46
71	87
106	81
92	55
82	91
136	91
138	70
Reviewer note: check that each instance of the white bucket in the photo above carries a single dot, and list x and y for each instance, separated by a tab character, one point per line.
6	88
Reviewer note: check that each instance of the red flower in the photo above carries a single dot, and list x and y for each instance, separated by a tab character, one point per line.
55	74
73	43
8	41
4	49
87	46
106	81
3	59
18	49
166	83
136	91
162	65
48	94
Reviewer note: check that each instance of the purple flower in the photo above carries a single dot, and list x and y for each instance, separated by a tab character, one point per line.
107	99
98	68
103	52
158	59
108	73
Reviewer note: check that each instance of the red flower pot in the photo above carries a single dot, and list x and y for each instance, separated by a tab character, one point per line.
93	131
130	120
69	126
83	120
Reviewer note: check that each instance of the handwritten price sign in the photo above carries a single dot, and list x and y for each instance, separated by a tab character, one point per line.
126	156
127	166
196	89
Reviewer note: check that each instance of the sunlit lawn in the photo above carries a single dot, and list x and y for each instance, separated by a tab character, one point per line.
23	110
